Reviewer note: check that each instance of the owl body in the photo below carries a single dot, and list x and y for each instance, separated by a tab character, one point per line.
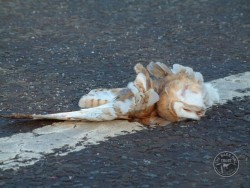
157	96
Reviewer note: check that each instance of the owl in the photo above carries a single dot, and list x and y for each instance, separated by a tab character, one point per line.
157	96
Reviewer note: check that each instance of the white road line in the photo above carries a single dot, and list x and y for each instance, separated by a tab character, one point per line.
233	86
27	148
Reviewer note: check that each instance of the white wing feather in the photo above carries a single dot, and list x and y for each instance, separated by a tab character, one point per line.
210	95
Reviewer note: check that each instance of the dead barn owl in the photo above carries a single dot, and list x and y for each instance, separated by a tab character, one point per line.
157	96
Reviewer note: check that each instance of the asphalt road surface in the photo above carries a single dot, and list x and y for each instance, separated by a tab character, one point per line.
52	52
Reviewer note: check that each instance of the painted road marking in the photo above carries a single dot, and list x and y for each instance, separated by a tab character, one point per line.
233	86
27	148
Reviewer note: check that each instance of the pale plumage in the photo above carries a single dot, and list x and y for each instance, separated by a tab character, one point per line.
157	96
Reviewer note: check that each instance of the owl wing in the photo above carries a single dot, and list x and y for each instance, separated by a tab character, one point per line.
143	89
139	94
158	70
120	103
99	97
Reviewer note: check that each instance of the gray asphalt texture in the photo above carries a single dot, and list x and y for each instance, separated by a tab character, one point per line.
52	52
